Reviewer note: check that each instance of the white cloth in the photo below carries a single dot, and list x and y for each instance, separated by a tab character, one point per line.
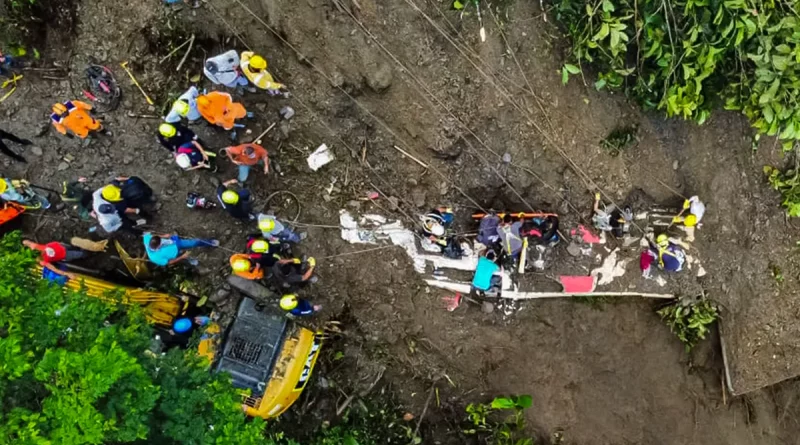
110	222
190	97
697	208
227	65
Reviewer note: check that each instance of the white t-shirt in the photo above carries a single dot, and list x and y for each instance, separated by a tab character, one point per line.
697	208
227	64
111	222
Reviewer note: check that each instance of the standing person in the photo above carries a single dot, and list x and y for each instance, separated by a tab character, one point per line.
224	70
166	250
54	251
691	221
246	156
298	307
669	255
273	230
192	156
294	273
184	107
72	118
220	109
172	136
4	148
19	191
254	68
236	202
510	238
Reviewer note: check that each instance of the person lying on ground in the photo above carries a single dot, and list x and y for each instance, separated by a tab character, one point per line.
224	70
72	118
611	219
294	273
220	109
236	202
7	151
298	307
436	223
184	107
691	221
254	68
192	156
20	191
54	251
273	230
510	239
78	196
167	249
172	136
247	156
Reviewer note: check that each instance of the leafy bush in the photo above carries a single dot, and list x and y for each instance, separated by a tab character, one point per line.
619	140
690	320
76	370
788	184
501	422
686	56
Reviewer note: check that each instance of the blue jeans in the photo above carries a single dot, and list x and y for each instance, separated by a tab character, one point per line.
191	243
287	236
244	170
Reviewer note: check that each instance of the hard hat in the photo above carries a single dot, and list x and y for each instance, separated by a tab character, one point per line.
203	101
183	161
437	229
181	107
240	265
288	302
266	224
662	240
690	221
3	185
259	246
230	197
59	108
167	130
112	193
182	325
258	63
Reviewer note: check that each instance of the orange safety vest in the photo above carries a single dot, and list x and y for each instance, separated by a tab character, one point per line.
255	272
77	120
221	110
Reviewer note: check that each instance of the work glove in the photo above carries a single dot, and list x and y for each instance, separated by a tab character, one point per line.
312	262
597	196
686	204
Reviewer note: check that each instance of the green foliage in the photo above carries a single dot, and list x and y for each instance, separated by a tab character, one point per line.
76	370
501	422
788	184
619	140
690	320
683	56
369	423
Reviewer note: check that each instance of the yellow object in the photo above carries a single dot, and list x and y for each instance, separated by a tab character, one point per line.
258	63
230	197
686	204
159	308
86	244
266	224
690	221
662	240
112	193
3	185
241	265
136	266
12	80
203	101
312	262
290	375
259	246
167	130
59	108
260	77
288	302
210	340
181	107
124	66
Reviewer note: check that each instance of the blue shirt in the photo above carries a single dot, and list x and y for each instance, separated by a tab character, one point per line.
303	308
166	252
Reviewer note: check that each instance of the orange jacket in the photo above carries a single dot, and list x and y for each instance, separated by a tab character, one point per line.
220	109
76	120
256	272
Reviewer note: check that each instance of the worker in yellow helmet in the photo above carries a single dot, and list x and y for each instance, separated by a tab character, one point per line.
274	230
254	68
298	307
690	222
184	108
243	266
236	202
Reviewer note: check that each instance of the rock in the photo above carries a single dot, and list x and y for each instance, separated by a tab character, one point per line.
381	78
337	79
195	179
418	196
355	204
36	150
487	307
675	165
284	129
219	295
63	166
444	188
273	13
574	249
127	159
42	130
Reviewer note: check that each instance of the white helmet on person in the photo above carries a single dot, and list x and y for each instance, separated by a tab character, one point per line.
183	161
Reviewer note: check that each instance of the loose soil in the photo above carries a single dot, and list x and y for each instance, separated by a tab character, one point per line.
604	373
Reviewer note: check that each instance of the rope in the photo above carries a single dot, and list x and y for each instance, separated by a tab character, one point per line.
358	252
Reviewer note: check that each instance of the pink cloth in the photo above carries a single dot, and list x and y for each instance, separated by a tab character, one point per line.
585	234
577	284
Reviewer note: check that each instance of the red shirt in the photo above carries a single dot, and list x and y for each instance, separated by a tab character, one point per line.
52	251
237	153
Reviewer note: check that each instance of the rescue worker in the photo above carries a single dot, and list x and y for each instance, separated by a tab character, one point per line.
435	229
135	192
224	70
72	118
184	107
236	202
20	191
109	215
54	251
112	194
254	68
273	230
4	148
510	239
294	273
166	250
172	136
669	256
611	219
220	109
192	156
298	307
691	221
247	156
266	253
245	267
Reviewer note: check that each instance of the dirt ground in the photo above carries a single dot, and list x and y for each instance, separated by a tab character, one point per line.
604	373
